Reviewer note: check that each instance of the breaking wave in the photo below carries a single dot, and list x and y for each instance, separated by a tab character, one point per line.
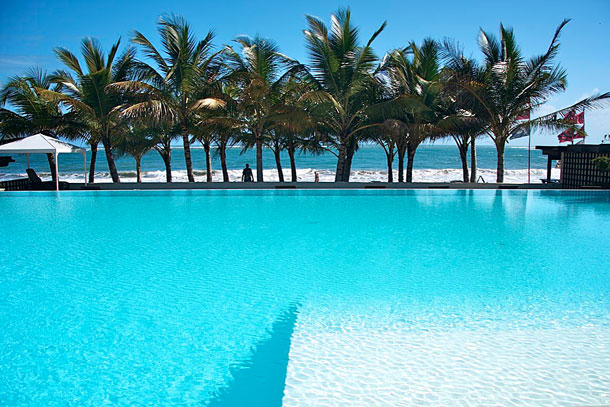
307	175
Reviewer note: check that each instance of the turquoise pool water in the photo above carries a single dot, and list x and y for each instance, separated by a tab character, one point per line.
297	298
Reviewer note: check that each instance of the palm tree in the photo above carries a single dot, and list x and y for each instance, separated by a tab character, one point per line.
341	72
136	141
261	72
288	136
162	143
506	85
414	78
206	137
464	135
293	141
176	89
474	121
389	137
511	84
88	94
225	124
31	113
225	138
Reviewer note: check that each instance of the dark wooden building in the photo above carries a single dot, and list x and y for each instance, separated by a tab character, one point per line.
577	167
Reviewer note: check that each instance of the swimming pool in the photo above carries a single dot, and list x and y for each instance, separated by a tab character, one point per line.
298	298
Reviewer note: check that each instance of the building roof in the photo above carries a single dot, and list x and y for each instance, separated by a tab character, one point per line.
555	151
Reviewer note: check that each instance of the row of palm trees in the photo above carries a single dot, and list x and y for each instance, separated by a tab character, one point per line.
257	97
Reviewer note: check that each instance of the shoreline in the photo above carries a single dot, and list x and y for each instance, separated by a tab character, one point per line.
428	175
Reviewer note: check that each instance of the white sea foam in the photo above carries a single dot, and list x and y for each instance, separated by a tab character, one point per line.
307	175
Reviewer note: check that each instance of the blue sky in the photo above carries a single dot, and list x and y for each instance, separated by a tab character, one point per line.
29	30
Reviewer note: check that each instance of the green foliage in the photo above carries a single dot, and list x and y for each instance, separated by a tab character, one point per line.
602	163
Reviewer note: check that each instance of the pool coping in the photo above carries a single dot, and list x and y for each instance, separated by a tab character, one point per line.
148	186
308	185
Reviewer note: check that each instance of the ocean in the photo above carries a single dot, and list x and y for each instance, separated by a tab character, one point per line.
433	163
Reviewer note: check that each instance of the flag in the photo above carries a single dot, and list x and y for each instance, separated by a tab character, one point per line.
570	117
573	117
579	135
566	135
521	132
524	131
525	114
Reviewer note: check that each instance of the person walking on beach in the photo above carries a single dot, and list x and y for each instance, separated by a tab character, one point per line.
246	174
316	177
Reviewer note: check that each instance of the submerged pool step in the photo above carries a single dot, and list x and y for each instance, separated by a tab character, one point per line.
363	362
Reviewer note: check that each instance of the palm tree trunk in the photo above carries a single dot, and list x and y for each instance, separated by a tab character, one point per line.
165	152
259	159
92	162
390	160
278	164
167	160
473	160
187	153
110	158
222	147
208	162
293	164
463	149
138	169
340	162
500	167
348	163
410	158
401	163
51	160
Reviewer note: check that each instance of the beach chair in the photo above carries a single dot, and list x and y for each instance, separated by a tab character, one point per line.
38	184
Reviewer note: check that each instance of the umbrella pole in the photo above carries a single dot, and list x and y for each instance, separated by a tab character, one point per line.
27	160
56	174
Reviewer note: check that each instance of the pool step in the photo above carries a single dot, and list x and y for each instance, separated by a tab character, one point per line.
368	362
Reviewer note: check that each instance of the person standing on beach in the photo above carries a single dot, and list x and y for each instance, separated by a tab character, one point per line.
246	174
316	177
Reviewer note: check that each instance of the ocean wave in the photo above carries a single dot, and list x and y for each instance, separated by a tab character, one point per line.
307	175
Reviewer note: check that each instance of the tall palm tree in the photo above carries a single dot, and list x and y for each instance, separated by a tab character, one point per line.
511	84
474	119
175	89
224	123
261	72
291	135
31	113
341	71
88	94
506	85
414	78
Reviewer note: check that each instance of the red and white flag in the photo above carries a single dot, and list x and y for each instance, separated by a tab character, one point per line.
574	117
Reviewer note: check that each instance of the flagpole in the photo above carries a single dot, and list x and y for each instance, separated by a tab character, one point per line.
529	146
584	135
